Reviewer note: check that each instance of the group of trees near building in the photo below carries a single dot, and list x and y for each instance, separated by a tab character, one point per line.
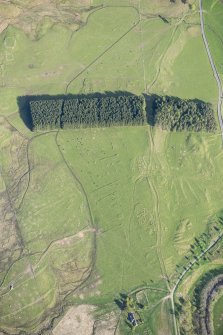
172	113
100	111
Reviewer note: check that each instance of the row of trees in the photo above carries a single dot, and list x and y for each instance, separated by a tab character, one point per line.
82	112
176	114
169	113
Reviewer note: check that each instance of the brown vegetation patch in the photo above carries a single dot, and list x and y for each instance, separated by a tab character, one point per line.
13	181
3	25
78	320
31	16
106	326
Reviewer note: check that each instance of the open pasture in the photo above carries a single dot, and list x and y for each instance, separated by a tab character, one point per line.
214	25
120	204
163	181
217	315
55	236
149	194
134	52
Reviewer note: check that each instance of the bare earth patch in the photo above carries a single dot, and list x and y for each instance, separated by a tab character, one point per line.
78	320
30	14
106	326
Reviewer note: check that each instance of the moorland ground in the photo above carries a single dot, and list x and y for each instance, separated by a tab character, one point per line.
88	213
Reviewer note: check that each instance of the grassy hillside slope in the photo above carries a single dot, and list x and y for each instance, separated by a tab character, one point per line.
93	212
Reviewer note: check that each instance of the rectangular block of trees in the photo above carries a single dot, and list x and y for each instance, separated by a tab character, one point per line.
103	111
76	112
46	113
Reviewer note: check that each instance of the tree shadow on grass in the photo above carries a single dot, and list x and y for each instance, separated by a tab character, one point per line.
150	110
23	103
24	111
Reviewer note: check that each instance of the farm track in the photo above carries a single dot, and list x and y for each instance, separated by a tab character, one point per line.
219	110
161	59
158	225
139	289
29	163
158	231
82	189
52	243
30	140
97	8
164	54
105	51
114	43
27	253
214	69
142	47
23	246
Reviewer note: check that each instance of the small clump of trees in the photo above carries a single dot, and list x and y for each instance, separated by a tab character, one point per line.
174	114
103	111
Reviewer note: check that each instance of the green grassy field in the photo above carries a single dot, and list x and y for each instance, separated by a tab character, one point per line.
94	212
214	25
156	179
217	316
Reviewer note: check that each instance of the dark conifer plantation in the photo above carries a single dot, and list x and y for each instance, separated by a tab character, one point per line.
46	113
170	113
176	114
103	111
